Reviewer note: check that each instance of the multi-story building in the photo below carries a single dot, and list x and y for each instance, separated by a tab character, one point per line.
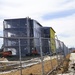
23	27
29	32
49	40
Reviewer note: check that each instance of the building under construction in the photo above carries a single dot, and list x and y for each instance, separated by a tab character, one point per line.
29	31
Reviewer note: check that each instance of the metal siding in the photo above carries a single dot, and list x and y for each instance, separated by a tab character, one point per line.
52	39
37	35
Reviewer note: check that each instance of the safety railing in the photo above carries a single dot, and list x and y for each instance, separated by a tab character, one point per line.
31	56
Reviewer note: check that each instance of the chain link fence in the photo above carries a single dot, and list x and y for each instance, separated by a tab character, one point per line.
32	56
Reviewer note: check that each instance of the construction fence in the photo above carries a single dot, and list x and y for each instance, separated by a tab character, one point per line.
32	56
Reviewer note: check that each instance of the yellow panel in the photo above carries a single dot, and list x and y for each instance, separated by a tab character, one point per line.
52	40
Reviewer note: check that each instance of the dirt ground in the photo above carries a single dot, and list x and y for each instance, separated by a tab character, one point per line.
64	67
37	69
